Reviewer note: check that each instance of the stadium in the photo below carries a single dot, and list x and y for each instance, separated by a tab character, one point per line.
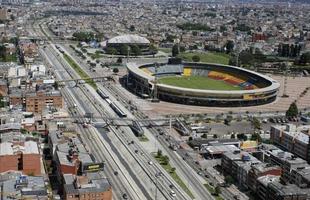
202	84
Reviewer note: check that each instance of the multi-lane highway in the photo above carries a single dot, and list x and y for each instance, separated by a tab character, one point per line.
156	175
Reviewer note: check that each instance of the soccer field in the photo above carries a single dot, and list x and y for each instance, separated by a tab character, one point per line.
198	82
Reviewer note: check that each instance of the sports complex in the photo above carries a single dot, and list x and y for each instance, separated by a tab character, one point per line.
202	84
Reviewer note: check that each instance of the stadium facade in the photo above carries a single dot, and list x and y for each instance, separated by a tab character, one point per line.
256	89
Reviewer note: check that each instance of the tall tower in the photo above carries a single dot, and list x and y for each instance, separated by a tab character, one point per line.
155	95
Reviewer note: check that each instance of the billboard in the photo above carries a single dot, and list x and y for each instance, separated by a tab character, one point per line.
93	167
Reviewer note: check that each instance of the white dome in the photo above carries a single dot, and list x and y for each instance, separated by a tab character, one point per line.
128	39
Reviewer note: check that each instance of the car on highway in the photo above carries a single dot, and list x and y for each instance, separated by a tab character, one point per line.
125	196
116	173
236	197
172	193
150	163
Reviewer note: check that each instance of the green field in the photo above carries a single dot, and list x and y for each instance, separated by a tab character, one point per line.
198	82
208	57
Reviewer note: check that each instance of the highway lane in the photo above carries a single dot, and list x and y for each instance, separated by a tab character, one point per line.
122	185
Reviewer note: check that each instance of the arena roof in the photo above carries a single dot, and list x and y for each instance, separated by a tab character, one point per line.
128	39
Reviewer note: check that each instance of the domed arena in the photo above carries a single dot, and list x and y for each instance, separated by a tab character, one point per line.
202	84
134	43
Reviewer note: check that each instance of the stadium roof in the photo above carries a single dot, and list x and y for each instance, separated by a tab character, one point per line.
128	39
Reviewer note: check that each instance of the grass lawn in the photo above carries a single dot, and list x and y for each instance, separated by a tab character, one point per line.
95	56
198	82
166	50
143	138
208	57
79	70
174	175
9	58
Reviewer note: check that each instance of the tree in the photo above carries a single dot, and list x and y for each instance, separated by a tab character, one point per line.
111	50
115	70
170	38
124	49
215	136
159	153
2	51
229	46
175	50
84	36
305	58
172	170
56	85
2	102
217	190
204	135
182	49
223	28
153	49
292	110
255	136
229	180
232	136
119	60
256	123
135	49
195	58
242	136
165	160
132	28
246	57
23	131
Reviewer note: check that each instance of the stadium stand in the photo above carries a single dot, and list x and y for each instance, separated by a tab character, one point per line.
243	81
187	71
167	69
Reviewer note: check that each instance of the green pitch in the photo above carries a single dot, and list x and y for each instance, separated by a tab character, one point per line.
198	82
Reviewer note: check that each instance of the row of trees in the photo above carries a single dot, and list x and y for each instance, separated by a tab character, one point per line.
5	57
304	59
125	49
287	50
84	36
194	26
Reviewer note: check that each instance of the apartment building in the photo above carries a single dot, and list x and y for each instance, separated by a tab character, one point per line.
293	139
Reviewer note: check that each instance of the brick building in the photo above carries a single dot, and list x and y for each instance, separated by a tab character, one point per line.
23	157
36	102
